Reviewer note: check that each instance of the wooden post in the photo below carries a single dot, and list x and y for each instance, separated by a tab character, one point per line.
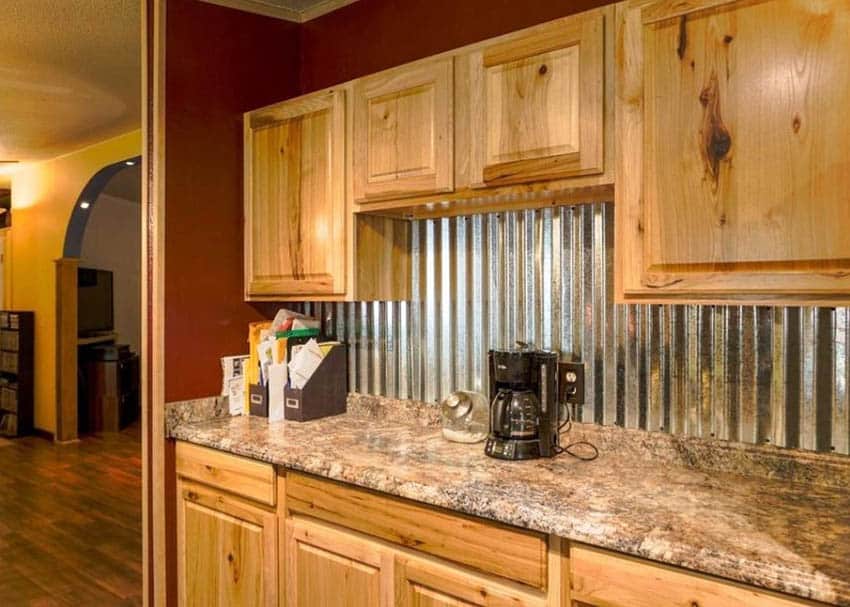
66	349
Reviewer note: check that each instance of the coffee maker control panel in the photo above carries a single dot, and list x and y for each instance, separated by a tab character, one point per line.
499	449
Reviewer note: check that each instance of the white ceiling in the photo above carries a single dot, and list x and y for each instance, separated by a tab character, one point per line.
298	11
70	74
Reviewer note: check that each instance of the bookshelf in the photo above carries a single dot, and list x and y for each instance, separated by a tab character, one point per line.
16	373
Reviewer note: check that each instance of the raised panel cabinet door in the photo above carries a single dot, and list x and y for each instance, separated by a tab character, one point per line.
227	552
600	577
426	583
328	567
537	103
733	161
295	210
403	132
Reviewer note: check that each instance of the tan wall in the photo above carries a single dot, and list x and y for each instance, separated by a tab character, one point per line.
43	196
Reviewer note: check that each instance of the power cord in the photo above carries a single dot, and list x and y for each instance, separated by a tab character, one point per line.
592	453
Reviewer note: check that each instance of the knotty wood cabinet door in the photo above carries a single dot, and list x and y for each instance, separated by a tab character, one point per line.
226	550
295	207
733	161
602	578
403	131
328	567
536	103
426	583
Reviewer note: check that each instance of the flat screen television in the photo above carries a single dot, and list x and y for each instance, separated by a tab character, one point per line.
94	301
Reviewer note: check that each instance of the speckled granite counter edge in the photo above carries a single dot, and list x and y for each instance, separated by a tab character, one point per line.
194	411
709	455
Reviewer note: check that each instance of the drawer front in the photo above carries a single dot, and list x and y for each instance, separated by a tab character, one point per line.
493	548
422	582
600	577
238	475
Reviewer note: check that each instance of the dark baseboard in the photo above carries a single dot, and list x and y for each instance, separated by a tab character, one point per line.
43	434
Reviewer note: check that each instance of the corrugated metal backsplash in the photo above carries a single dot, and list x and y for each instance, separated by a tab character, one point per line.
752	374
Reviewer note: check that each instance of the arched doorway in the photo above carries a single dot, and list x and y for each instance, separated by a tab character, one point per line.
68	338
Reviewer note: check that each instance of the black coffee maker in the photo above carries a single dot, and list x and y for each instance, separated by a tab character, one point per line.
523	404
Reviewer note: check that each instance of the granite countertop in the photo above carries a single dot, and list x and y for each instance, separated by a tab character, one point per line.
783	534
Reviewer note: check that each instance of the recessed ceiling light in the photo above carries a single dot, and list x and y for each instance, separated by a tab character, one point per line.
130	163
85	205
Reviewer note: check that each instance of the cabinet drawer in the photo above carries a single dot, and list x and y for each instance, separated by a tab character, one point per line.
241	476
420	582
600	577
493	548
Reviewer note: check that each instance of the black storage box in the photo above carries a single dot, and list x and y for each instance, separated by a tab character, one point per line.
258	400
324	394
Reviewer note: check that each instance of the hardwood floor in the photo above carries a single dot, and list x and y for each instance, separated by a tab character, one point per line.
71	521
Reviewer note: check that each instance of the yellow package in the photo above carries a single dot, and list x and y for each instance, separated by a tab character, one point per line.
280	350
255	331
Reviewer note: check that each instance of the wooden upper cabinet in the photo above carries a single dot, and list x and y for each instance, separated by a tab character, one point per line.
295	206
536	103
403	132
733	162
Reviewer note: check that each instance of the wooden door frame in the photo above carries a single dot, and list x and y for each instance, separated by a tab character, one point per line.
66	349
155	554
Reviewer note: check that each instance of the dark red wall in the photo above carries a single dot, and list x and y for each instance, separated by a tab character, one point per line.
219	64
372	35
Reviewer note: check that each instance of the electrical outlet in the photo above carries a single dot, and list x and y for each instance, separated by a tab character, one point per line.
571	382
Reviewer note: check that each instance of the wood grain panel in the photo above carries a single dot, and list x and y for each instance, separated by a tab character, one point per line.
473	542
227	550
66	349
383	251
403	131
328	567
522	130
734	151
537	103
423	583
241	476
295	208
608	579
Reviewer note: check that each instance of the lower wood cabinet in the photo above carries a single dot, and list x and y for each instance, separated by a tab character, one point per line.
250	537
490	548
328	567
331	567
227	549
421	582
600	578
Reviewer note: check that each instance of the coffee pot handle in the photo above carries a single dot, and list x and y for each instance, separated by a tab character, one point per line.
497	413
